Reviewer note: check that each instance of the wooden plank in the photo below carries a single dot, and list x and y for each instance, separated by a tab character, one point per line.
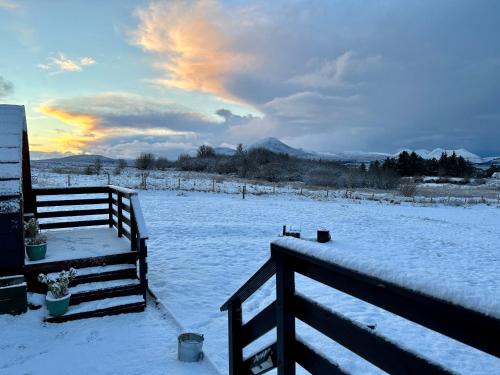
121	190
126	234
468	326
126	220
72	202
71	190
285	320
119	291
96	211
128	308
361	340
33	270
128	273
235	320
74	224
259	325
314	362
258	279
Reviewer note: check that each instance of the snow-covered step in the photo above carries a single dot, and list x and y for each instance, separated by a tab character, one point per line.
103	307
105	269
100	285
103	273
104	289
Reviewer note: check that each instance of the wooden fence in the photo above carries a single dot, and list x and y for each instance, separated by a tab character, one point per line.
467	326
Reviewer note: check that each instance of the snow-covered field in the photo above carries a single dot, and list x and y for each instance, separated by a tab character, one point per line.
203	246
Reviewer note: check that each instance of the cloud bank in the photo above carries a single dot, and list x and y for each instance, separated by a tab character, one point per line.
331	76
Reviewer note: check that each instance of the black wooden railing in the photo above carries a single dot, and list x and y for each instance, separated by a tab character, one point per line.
110	205
467	326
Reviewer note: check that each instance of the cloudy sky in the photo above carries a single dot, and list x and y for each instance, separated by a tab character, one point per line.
121	77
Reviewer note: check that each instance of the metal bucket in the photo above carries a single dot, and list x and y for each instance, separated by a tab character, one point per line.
190	347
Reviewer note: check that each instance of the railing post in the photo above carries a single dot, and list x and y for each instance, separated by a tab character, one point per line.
119	201
285	319
133	229
143	251
110	208
235	321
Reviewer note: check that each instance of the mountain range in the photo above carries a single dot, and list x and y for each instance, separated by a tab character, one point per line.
275	145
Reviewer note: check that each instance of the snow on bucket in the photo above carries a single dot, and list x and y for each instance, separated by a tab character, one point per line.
189	348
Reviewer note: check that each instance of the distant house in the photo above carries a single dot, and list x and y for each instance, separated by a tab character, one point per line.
16	197
496	175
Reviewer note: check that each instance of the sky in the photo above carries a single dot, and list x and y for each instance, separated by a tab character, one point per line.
122	77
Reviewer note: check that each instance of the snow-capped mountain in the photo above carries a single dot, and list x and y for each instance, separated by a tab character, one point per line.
275	145
77	159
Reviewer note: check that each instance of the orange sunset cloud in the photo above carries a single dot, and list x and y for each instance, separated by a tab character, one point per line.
194	51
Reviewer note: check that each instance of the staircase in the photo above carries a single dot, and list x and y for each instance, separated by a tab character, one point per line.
111	264
103	290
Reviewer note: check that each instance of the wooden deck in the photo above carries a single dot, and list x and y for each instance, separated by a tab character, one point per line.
79	243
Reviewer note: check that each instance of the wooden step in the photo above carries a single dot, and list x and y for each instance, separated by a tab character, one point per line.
104	289
110	267
104	307
104	273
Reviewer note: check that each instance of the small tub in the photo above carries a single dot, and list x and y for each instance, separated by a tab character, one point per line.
190	347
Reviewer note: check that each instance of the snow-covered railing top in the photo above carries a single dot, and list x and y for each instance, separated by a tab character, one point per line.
411	273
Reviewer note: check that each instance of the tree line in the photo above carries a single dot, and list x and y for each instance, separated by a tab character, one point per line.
411	164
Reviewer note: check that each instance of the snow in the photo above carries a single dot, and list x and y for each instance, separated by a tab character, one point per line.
204	246
100	269
10	187
82	243
88	287
10	205
127	344
13	286
103	304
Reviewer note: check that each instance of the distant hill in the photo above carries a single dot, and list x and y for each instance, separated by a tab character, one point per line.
76	160
275	145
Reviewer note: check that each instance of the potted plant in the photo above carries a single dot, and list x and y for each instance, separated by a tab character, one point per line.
36	243
58	294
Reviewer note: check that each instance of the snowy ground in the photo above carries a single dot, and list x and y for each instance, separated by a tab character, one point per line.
203	246
128	344
428	194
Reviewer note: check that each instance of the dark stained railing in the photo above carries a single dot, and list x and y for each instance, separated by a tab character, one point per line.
113	206
467	326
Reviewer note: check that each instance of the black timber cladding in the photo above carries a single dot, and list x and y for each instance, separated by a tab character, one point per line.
13	132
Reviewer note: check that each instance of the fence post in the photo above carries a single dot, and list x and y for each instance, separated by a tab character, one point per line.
120	214
213	185
244	190
69	180
235	322
285	319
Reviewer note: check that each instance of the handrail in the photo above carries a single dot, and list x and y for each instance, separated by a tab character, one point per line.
142	230
258	279
123	190
470	327
137	232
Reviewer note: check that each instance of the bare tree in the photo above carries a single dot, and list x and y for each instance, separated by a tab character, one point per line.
145	161
206	151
